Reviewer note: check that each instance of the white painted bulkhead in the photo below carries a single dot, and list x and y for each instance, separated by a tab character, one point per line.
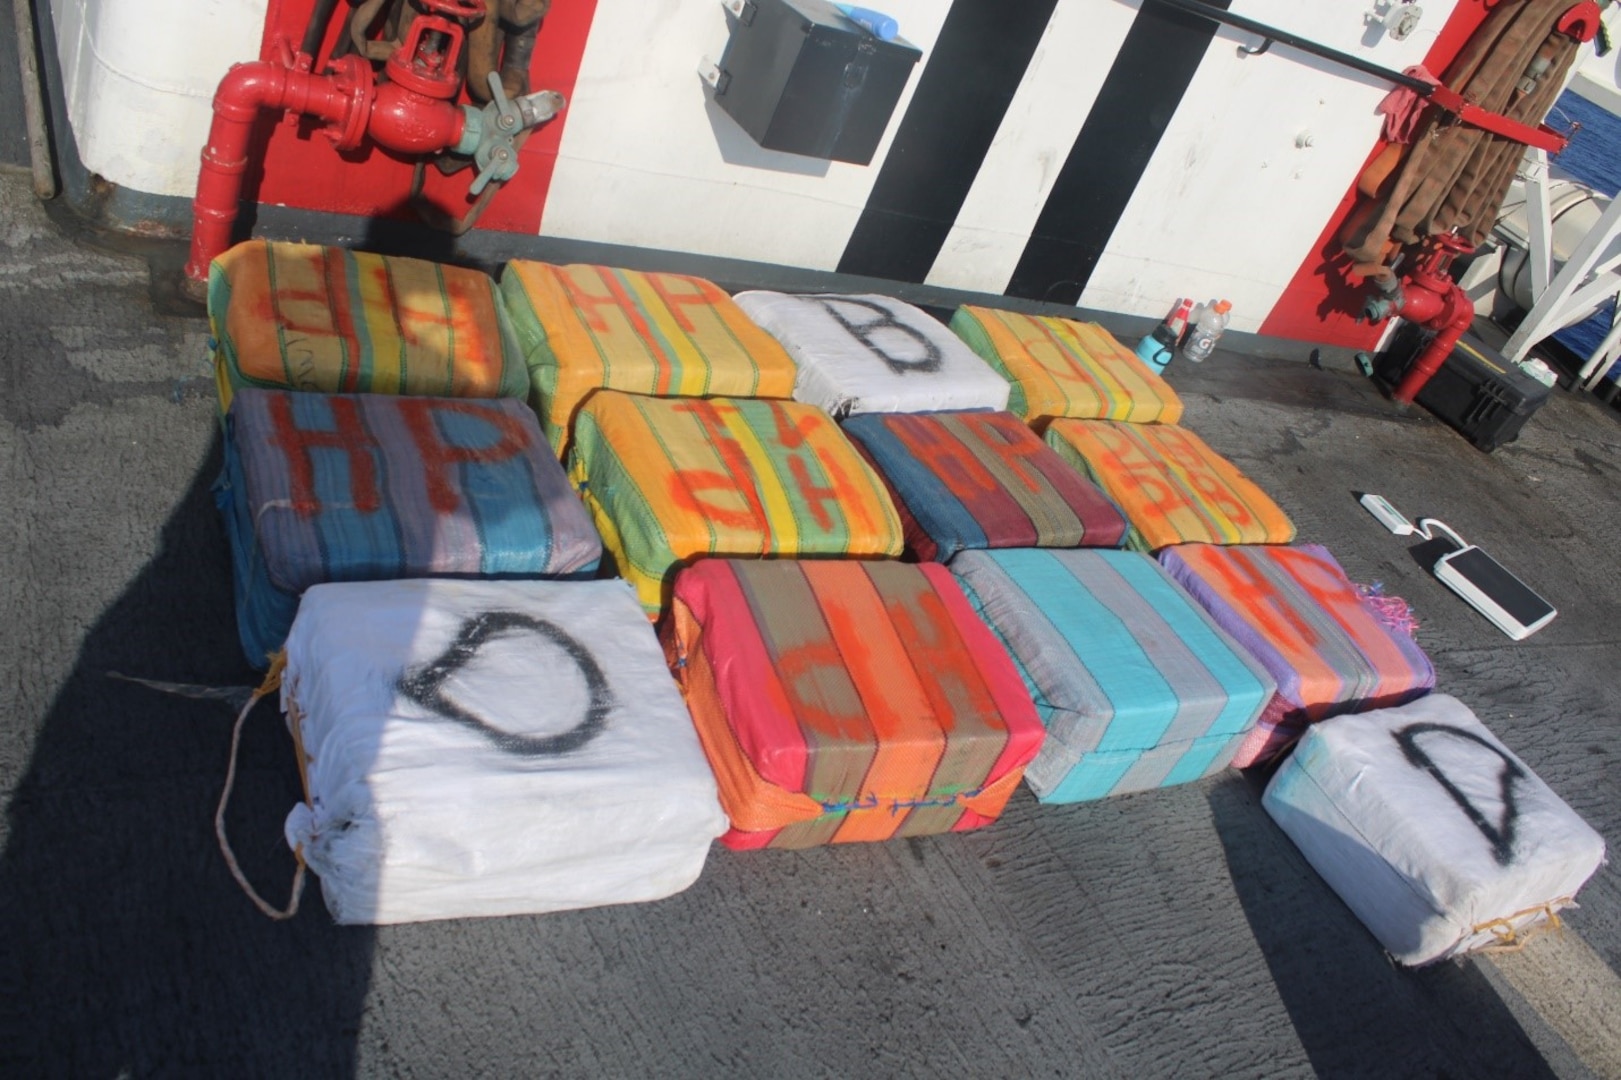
139	77
1253	164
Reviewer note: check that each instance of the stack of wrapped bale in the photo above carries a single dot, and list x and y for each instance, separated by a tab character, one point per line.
586	328
1434	833
931	417
669	404
375	430
1330	648
468	747
1110	416
843	700
1136	684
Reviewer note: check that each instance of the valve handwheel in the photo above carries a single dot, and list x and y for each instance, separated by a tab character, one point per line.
454	9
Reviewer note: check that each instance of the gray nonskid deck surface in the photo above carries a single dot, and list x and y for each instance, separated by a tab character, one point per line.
1173	933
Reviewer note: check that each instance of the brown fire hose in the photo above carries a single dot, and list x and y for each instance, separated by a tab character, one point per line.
1454	176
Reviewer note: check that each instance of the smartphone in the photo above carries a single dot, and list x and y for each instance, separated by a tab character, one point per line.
1496	593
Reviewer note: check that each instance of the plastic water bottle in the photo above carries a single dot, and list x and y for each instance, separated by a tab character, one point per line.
1206	332
1157	348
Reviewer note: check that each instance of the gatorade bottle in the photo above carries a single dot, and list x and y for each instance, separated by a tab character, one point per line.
1157	348
1206	332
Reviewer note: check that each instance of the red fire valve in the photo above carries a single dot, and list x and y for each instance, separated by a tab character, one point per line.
428	61
1427	296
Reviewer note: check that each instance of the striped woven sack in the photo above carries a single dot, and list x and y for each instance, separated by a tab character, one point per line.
842	700
302	317
1296	612
586	328
366	487
1172	486
1137	686
1060	367
869	353
671	480
982	480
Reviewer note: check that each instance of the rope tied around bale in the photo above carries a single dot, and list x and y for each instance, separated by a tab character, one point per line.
1511	940
271	683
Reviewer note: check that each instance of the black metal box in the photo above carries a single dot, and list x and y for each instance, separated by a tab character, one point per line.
799	76
1476	391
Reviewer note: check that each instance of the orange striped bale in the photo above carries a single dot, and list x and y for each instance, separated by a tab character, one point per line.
673	480
303	317
1172	486
587	328
1060	367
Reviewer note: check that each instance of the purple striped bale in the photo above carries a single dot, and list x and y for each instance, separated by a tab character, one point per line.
361	487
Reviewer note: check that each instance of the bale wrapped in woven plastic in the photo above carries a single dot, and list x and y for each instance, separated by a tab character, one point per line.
301	317
490	748
1434	833
862	353
1061	367
1173	488
586	328
843	700
365	487
1331	648
672	480
982	480
1137	686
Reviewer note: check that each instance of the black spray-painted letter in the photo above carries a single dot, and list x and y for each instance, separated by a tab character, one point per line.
425	685
1501	835
865	332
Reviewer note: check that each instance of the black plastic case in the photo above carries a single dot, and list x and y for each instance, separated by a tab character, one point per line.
1486	398
799	76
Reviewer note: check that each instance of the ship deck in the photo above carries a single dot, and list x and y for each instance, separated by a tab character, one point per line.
1172	933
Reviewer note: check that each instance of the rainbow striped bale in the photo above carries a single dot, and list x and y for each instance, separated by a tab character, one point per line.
1137	686
1060	367
1297	613
1172	486
586	328
673	480
322	319
363	487
982	480
841	701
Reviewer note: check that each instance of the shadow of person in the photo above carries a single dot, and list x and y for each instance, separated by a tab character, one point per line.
128	949
1355	1012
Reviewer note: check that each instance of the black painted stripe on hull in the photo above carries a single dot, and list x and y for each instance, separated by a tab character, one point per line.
1140	95
972	73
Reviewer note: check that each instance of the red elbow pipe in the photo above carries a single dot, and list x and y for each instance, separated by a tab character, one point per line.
346	98
243	92
1459	314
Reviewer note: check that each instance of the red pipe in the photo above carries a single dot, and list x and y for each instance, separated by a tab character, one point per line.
1457	315
243	92
397	118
